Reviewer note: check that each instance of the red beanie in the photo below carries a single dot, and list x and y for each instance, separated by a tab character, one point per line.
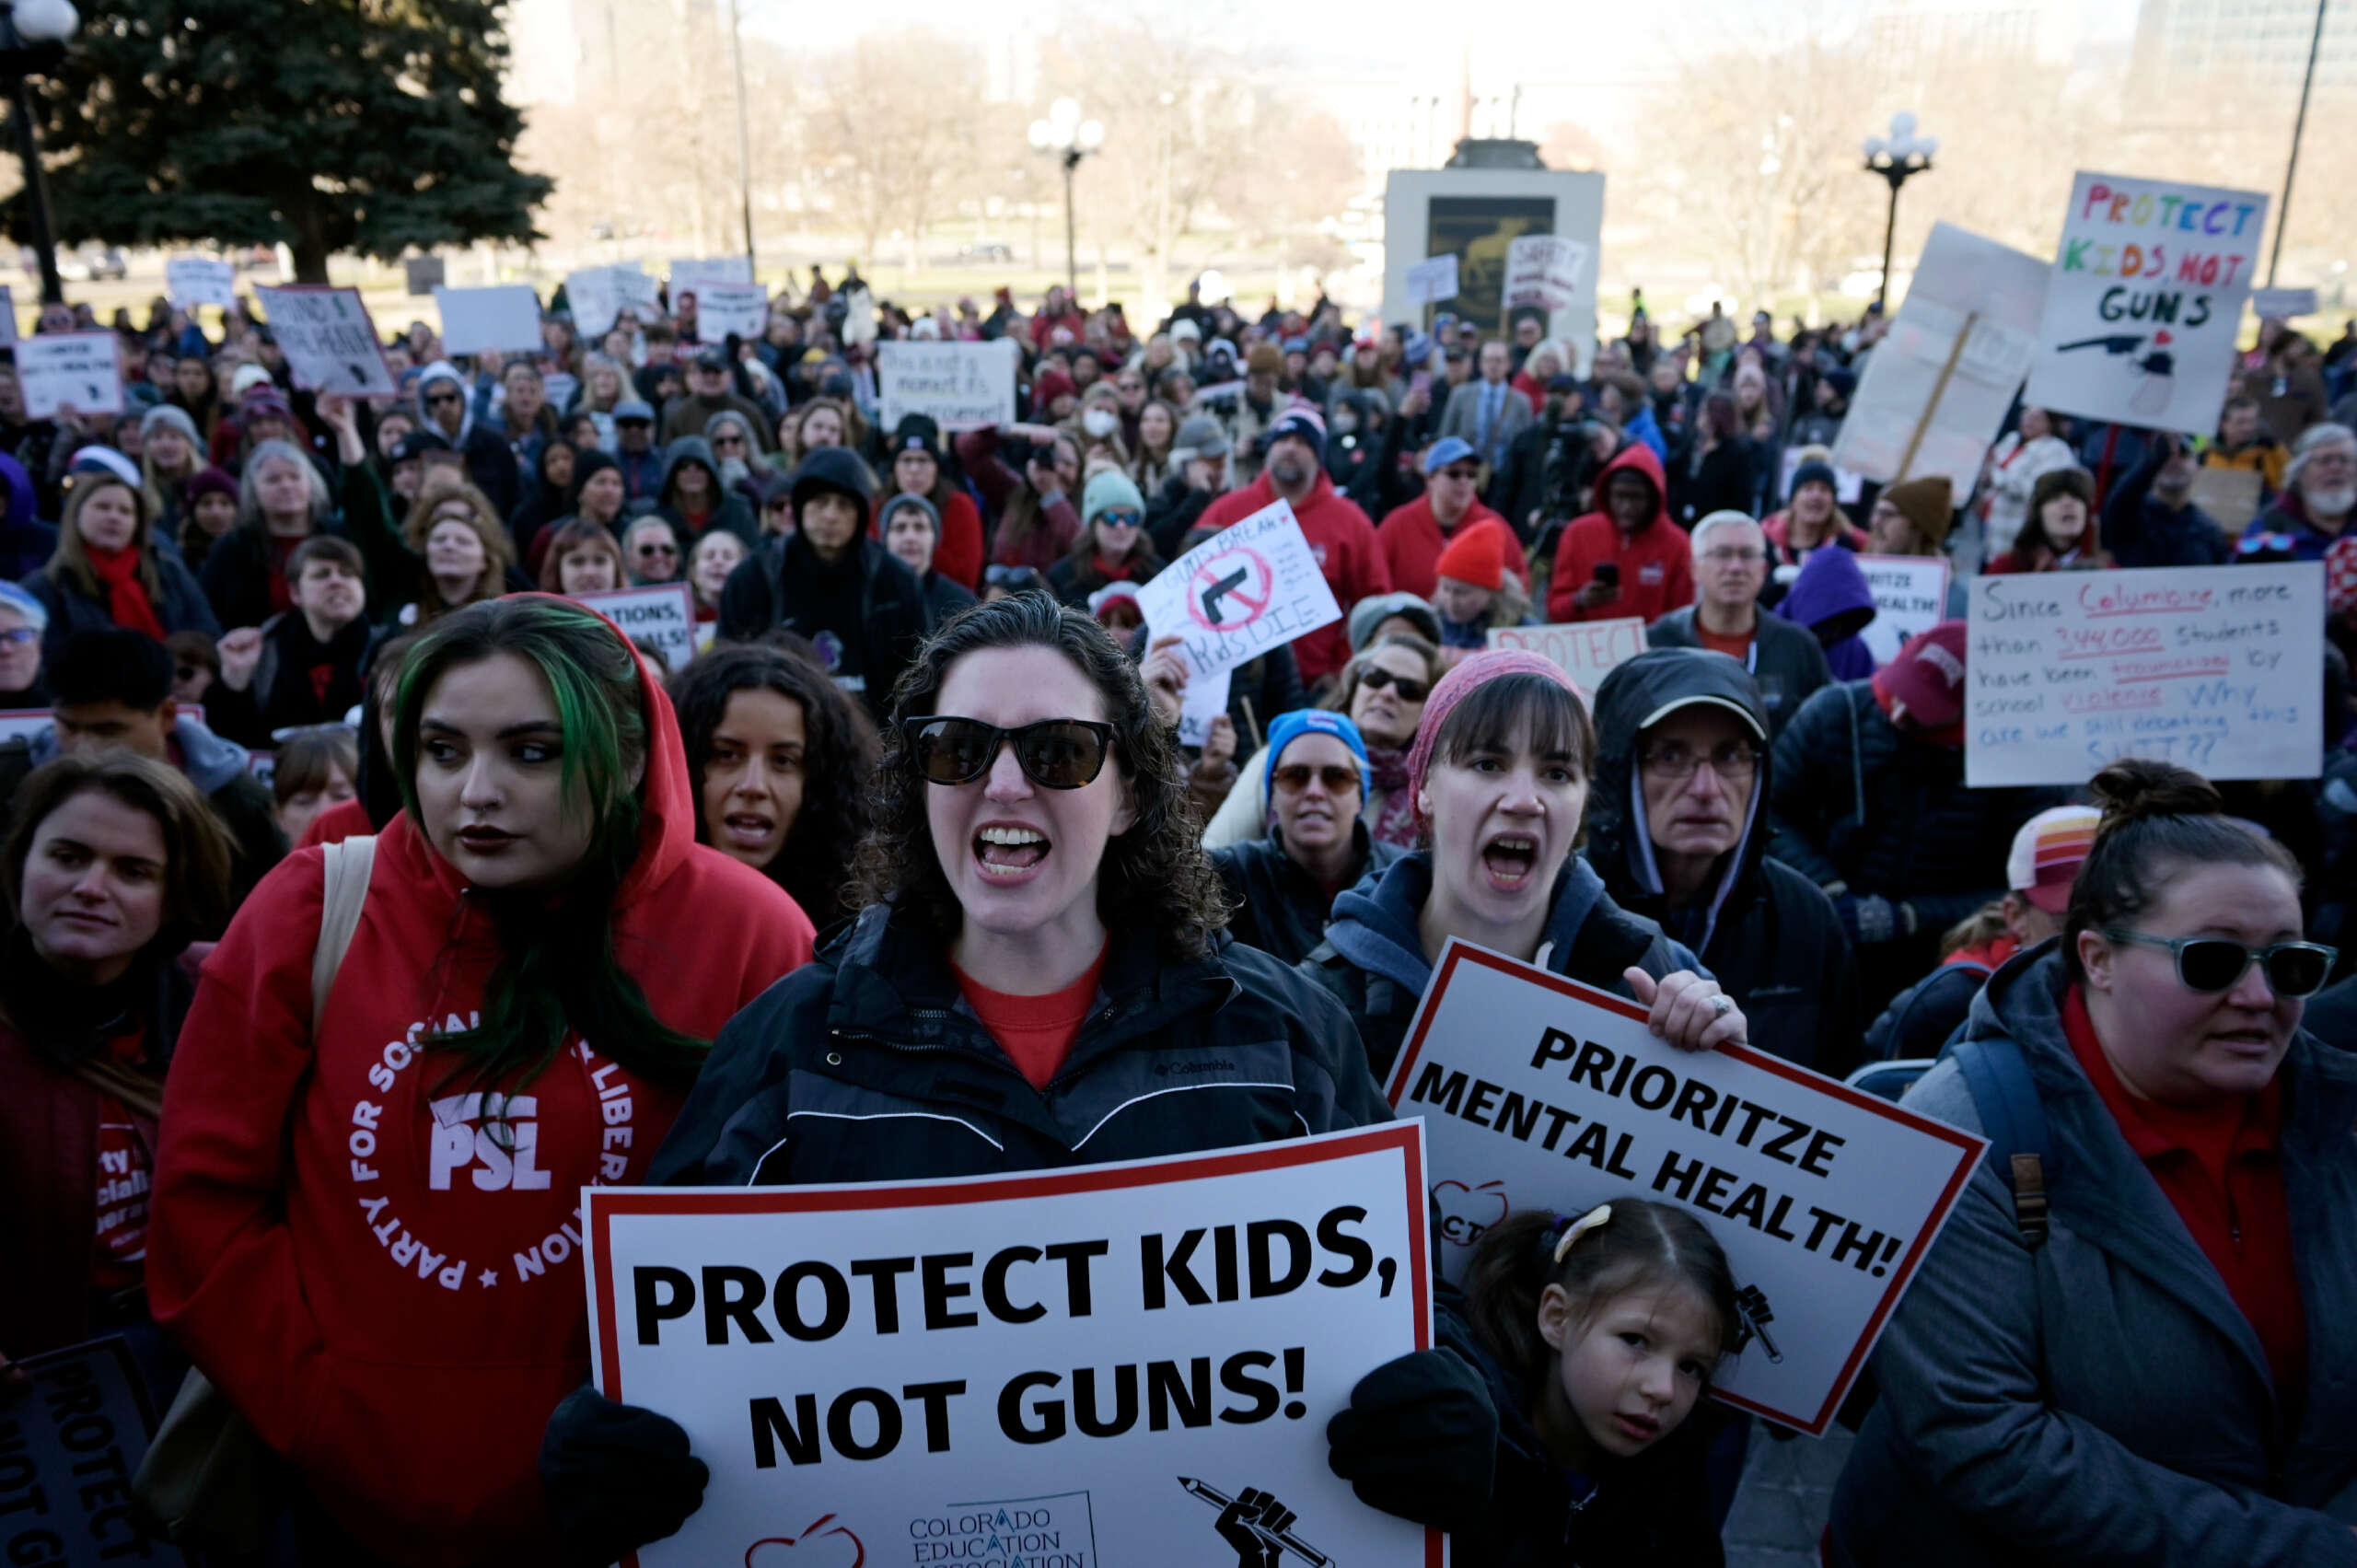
1476	556
1047	386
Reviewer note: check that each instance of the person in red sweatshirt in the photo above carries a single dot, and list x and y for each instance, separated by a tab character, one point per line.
1650	560
366	1228
1339	534
1412	536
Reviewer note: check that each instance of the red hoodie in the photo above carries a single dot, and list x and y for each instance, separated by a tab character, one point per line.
1343	540
1656	563
393	1299
1411	540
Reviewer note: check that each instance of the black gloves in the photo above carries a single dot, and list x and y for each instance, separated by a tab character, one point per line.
616	1476
1419	1440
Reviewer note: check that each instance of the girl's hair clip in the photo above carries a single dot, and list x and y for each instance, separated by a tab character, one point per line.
1592	1220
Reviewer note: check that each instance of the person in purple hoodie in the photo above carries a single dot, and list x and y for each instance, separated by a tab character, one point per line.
25	542
1831	597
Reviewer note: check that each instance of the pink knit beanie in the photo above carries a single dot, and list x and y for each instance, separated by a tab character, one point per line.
1460	683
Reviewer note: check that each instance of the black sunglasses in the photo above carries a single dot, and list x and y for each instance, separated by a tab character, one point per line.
1054	753
433	398
2212	964
1375	678
1294	777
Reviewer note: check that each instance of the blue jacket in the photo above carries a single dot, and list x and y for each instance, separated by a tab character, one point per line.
1642	426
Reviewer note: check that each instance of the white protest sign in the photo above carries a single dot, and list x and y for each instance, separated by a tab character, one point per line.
2216	669
25	722
1910	597
693	276
82	371
1540	1092
663	613
191	281
1544	270
1241	592
2283	304
600	295
725	308
957	385
504	317
1587	651
2145	301
1936	388
330	343
1433	279
7	314
2229	496
1063	1367
1204	700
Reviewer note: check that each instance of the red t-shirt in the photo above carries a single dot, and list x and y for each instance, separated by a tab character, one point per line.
2221	1170
1036	1032
1736	648
125	1170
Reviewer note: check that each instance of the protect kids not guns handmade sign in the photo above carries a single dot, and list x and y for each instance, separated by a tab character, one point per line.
1063	1367
1241	592
1539	1092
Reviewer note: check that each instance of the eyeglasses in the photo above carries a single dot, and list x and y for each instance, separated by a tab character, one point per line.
1375	678
1294	777
2212	964
1054	753
722	443
657	549
1120	517
1731	763
17	636
1461	474
1728	557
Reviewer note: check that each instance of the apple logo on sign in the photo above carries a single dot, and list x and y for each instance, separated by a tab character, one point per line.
817	1546
1466	1212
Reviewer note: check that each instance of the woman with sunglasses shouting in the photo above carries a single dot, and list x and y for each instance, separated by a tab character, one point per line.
1039	979
2139	1349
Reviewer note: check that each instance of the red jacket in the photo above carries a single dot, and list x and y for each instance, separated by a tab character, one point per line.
395	1303
1343	541
957	554
1411	541
1656	563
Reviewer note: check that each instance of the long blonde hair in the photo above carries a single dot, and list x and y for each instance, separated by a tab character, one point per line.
498	553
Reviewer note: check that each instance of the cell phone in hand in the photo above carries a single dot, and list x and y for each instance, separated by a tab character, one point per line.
1422	382
1608	573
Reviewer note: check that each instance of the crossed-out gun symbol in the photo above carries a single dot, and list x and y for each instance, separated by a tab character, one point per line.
1220	590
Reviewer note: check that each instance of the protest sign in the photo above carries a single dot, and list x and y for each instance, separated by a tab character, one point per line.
68	1450
330	343
8	314
2216	669
2145	300
725	308
693	276
1936	388
1540	1092
1204	700
1910	597
1241	592
663	613
2283	304
1544	270
505	318
957	385
1587	651
598	296
1063	1367
25	722
191	281
1433	279
82	371
2229	496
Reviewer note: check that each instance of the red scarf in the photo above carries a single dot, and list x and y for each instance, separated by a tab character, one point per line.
1113	571
127	602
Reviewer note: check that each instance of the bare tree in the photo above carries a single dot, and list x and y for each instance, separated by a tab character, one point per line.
892	129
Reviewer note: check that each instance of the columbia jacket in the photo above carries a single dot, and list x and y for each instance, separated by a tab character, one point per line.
1280	908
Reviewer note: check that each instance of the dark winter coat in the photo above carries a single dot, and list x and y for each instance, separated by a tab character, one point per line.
866	614
1281	909
2140	531
1787	663
25	542
180	607
286	692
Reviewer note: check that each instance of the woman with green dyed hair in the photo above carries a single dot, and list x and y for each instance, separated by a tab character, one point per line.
366	1230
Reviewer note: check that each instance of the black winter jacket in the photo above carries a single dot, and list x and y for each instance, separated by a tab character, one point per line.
784	584
180	607
867	1064
1280	907
283	693
1787	661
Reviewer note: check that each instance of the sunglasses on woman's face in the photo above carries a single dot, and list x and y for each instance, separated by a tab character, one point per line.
1119	517
1376	677
2212	964
1054	753
1294	777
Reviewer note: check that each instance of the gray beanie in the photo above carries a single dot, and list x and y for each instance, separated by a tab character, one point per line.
1370	614
176	417
1199	437
906	500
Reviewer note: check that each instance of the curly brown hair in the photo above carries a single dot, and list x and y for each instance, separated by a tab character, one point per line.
1155	873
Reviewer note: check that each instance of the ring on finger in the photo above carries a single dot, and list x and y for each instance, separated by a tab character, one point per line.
1722	1004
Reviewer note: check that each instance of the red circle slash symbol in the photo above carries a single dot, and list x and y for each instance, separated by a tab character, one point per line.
1231	590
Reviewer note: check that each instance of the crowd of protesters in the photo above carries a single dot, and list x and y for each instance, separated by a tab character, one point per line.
906	873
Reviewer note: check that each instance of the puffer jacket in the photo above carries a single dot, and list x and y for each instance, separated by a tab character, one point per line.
2100	1401
1280	907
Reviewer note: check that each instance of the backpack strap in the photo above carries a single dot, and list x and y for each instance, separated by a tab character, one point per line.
2010	1113
346	892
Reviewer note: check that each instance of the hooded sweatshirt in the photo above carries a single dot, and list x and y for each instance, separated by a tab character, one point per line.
388	1288
1832	598
490	462
727	511
1656	563
25	542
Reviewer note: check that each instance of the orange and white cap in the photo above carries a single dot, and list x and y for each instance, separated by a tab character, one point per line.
2048	853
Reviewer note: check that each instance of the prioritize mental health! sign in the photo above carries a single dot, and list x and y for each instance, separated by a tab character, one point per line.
1910	597
1064	1367
1540	1092
2145	300
2216	669
82	371
958	386
330	343
1241	592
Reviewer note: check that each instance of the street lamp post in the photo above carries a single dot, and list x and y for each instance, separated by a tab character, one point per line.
32	39
1070	139
1897	159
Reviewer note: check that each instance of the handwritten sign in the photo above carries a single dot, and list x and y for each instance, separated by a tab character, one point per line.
721	308
1540	1092
693	276
1060	1369
2217	668
505	318
191	281
68	1450
1544	270
2283	304
1587	651
82	371
600	295
1241	592
958	386
661	613
329	341
1433	279
2145	300
1204	698
1910	597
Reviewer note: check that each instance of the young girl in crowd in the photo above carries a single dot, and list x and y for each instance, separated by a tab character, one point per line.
208	509
581	557
2058	533
315	771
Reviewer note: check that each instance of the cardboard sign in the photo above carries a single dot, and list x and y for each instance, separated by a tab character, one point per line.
600	295
2216	669
693	276
2145	301
725	308
1937	387
1910	597
1062	1367
1433	279
2283	304
1587	651
330	343
2230	496
1544	270
505	318
958	386
663	613
82	371
191	281
1538	1091
67	1453
1241	592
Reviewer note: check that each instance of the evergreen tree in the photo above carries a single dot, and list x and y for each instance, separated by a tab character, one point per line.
364	126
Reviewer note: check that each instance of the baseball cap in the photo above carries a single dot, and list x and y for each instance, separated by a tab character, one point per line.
634	408
2048	853
1446	450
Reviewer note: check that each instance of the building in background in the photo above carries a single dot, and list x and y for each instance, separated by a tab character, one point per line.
2265	42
